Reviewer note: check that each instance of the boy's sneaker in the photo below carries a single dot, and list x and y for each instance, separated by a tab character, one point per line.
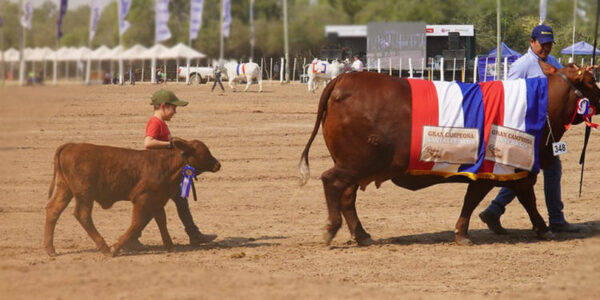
567	227
199	238
492	221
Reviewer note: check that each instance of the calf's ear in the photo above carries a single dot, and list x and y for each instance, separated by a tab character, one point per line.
183	145
547	68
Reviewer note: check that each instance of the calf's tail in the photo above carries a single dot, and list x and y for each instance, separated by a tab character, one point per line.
57	170
303	165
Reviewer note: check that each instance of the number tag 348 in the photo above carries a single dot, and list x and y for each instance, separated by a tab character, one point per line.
559	148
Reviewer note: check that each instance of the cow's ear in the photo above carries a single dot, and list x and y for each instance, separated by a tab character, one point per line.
547	68
183	145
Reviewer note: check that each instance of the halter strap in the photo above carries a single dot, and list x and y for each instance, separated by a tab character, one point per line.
564	77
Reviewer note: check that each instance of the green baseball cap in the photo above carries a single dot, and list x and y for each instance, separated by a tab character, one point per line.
166	96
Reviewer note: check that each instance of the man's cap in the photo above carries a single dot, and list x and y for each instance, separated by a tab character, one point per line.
166	96
543	34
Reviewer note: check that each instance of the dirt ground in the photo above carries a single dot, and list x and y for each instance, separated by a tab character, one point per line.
269	243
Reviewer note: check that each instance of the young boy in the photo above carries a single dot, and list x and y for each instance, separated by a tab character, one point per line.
158	136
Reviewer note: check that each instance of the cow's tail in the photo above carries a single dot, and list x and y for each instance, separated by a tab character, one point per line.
57	170
303	165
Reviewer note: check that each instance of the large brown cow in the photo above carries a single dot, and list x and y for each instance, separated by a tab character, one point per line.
366	120
104	174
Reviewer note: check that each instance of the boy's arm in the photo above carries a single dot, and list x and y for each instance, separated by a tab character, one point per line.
152	143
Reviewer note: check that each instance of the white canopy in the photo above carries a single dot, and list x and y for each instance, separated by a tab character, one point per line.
40	54
80	53
181	51
112	54
98	52
11	55
62	54
155	51
133	52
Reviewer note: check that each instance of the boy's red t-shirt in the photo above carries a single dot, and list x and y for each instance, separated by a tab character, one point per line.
158	129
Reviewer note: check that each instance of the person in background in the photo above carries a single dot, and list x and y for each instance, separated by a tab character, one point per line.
357	64
217	78
527	66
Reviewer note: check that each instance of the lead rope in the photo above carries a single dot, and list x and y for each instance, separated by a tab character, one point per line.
550	134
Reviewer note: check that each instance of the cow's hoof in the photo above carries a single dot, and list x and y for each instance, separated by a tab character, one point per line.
368	241
328	237
113	252
464	242
51	252
546	236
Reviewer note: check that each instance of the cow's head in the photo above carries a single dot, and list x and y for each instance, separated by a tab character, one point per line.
582	78
197	155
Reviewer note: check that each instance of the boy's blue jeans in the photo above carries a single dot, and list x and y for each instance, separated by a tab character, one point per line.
552	175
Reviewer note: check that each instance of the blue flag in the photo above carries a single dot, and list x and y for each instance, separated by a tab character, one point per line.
161	30
0	15
123	6
226	17
61	14
195	18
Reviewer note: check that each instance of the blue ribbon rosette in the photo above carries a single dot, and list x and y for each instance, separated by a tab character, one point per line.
188	174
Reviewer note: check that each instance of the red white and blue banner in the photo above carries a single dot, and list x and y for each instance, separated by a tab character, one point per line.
487	130
196	8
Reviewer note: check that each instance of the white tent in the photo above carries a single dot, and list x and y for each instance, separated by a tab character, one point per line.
41	54
133	52
154	53
181	51
11	55
97	53
112	54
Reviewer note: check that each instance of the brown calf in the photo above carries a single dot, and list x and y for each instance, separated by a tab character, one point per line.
104	174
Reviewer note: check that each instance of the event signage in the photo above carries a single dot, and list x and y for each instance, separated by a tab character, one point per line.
61	15
195	18
123	6
450	144
162	31
226	17
510	147
27	14
94	17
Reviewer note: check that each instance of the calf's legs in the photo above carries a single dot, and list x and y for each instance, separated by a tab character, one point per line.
59	200
161	221
83	214
142	214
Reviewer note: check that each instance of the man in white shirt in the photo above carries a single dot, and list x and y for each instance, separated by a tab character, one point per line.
357	64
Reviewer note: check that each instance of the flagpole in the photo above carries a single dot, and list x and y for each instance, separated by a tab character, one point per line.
286	44
2	76
21	47
221	39
121	78
251	30
574	18
89	61
498	49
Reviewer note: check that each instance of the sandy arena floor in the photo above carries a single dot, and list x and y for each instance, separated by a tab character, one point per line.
269	243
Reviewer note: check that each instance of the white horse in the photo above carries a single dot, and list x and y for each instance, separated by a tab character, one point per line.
248	72
322	71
